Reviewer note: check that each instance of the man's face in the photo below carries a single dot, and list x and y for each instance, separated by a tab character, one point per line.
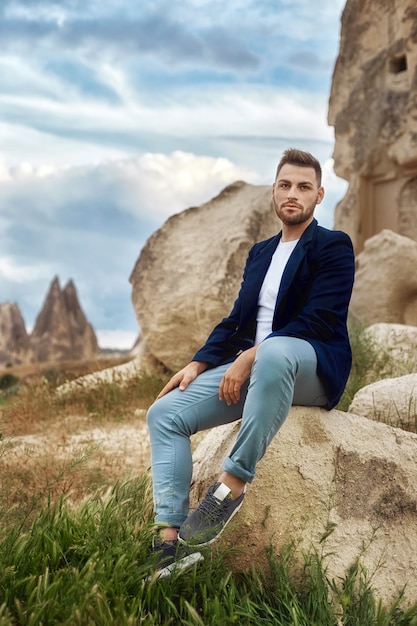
295	194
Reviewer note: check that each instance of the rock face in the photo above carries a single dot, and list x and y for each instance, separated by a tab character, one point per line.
373	108
385	288
61	330
14	340
327	468
188	273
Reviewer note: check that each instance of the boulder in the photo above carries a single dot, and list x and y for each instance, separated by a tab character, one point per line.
327	471
391	400
398	342
385	288
189	271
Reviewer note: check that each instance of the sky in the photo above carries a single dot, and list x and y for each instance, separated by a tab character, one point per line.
116	114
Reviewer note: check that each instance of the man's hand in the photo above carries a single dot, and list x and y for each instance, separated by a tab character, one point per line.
183	378
235	376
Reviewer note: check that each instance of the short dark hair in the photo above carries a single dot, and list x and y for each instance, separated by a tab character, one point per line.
301	159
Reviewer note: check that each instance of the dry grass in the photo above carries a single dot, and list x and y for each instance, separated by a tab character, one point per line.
55	445
34	373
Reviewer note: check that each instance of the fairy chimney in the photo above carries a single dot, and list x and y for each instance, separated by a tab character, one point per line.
373	108
61	330
14	340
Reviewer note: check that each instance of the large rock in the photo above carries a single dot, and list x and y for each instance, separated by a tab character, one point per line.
188	273
326	468
391	400
61	330
373	108
398	343
14	340
385	288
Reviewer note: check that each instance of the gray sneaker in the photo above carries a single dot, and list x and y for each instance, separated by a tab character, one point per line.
210	518
171	557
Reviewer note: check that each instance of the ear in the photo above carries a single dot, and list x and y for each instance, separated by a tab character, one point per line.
320	194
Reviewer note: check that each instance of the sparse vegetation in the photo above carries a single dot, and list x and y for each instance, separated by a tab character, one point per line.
370	362
8	381
108	400
75	538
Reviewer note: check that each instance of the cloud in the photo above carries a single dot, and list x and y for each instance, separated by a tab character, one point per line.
235	36
116	339
11	271
153	184
186	118
84	77
152	31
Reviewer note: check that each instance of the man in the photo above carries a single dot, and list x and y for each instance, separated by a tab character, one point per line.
285	342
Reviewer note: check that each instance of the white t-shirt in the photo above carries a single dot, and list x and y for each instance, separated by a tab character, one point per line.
269	290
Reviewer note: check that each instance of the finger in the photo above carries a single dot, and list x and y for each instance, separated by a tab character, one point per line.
233	393
236	393
187	379
227	392
184	383
171	384
221	390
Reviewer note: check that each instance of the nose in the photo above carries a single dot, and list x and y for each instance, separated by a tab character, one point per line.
292	192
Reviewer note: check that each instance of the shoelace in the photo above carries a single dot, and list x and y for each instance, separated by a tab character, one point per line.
211	507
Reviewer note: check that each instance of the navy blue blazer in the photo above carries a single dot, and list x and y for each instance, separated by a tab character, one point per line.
312	304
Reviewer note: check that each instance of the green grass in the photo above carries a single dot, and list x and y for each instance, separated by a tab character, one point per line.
87	566
370	362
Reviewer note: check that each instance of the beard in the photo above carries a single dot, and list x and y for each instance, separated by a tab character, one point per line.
291	217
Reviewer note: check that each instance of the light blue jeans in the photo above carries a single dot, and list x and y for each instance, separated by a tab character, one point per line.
283	373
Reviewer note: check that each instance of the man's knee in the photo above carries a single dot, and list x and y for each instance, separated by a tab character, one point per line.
274	352
158	413
166	414
152	415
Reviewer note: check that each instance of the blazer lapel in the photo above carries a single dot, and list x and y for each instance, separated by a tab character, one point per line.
255	277
293	264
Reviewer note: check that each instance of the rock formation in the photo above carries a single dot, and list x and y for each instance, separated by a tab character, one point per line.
14	340
373	108
188	273
61	330
327	472
385	288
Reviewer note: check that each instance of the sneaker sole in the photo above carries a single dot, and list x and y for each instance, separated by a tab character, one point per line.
208	543
179	566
